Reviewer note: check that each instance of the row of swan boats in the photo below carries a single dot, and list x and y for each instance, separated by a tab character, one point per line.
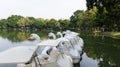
57	52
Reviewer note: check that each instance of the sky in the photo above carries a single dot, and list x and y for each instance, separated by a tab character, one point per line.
58	9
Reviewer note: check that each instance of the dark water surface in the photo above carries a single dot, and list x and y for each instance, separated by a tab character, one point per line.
99	51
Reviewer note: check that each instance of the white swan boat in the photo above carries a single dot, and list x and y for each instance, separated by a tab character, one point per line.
73	46
69	50
75	40
27	56
75	36
54	55
67	47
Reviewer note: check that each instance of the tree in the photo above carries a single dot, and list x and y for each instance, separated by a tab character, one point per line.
88	20
76	18
23	22
12	20
52	23
40	23
108	13
3	23
83	19
64	23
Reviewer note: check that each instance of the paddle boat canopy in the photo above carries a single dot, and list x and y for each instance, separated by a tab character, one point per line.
20	54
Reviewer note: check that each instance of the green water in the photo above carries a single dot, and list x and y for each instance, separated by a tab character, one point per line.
99	51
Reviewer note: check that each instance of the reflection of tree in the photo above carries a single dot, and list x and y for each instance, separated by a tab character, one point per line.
107	49
106	63
12	35
22	36
19	36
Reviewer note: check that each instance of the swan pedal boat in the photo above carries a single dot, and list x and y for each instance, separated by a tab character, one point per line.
70	48
27	56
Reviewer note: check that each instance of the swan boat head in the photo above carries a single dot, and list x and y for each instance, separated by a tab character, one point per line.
52	35
34	37
59	34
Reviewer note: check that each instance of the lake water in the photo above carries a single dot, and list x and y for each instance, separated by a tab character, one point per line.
99	51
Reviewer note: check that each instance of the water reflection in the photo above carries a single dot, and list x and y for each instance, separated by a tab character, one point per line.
19	36
105	51
88	62
99	51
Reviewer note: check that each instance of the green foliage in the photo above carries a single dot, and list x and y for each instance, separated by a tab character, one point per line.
64	23
75	19
3	23
12	20
52	23
24	23
82	19
40	23
108	14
